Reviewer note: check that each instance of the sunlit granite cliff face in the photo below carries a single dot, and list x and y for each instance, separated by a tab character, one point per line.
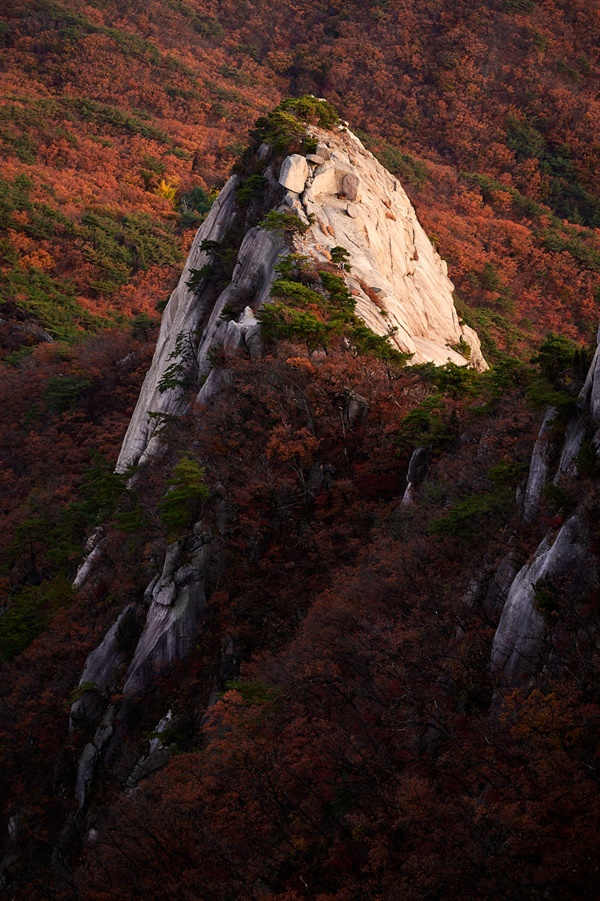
344	198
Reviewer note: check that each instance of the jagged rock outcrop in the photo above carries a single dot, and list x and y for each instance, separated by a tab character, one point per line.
359	205
182	316
561	558
564	564
347	199
538	469
102	668
293	173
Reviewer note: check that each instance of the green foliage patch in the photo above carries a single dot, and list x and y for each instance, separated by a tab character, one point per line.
561	365
403	165
450	379
119	245
467	515
279	321
341	257
193	207
568	197
177	374
555	240
41	220
208	27
62	392
187	490
72	26
489	187
427	425
283	223
311	110
488	324
518	6
110	114
296	294
315	315
29	613
285	128
52	302
252	188
557	357
223	256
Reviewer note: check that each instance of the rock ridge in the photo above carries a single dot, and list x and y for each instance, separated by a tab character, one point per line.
345	198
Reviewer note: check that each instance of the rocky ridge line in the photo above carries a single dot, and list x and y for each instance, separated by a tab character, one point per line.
346	199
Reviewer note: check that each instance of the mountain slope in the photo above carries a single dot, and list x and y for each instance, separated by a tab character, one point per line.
354	579
488	112
350	206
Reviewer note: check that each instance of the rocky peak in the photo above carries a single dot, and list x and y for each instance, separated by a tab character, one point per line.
400	283
345	200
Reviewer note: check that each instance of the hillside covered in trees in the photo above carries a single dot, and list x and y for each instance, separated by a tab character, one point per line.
118	120
329	734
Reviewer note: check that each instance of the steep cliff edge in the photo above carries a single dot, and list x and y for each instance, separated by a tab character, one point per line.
343	199
563	569
333	211
400	281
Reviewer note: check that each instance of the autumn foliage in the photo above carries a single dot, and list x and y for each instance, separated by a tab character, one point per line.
332	735
486	112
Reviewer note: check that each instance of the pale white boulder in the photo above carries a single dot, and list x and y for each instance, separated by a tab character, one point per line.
293	173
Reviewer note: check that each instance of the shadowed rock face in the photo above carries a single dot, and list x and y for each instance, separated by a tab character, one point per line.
522	626
168	636
538	470
183	313
585	420
564	564
177	606
501	583
417	469
102	668
518	639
